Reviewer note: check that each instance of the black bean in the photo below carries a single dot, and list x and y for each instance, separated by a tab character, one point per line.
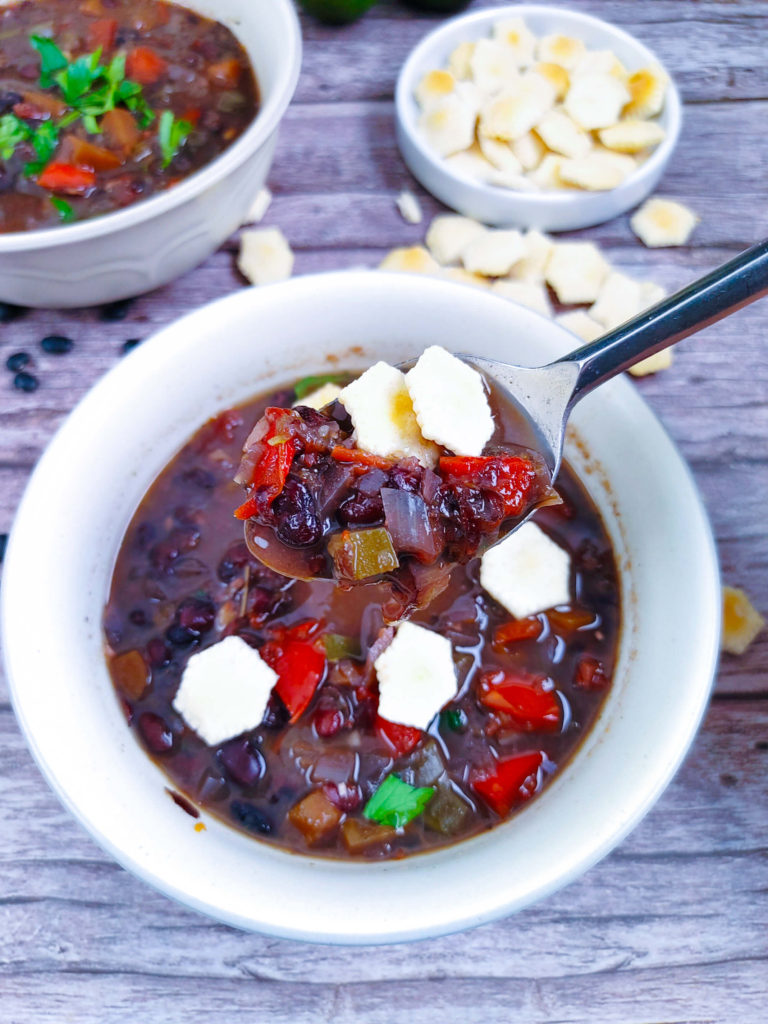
361	510
297	521
250	817
3	545
130	344
276	715
196	614
57	344
156	732
17	361
139	617
25	382
10	312
199	477
116	310
179	636
9	99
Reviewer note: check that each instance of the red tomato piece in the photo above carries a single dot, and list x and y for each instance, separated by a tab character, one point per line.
67	178
515	780
402	738
533	708
518	629
511	477
144	66
101	33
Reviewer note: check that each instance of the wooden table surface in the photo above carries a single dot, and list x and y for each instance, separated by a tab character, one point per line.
673	925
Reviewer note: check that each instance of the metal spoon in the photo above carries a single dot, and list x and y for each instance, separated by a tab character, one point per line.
545	395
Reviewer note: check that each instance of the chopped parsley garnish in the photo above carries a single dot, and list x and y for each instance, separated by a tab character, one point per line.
65	211
171	133
45	139
90	89
395	803
77	78
51	59
13	131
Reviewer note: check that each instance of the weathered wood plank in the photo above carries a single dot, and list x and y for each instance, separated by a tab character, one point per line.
728	993
714	50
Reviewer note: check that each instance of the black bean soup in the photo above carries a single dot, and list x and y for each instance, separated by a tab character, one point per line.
106	102
312	777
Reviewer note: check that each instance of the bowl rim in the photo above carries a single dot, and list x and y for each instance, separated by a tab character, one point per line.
258	131
170	343
560	198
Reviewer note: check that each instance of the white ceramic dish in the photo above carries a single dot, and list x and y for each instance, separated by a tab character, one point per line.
148	244
562	210
125	431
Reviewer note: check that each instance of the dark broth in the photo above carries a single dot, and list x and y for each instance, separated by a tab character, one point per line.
184	579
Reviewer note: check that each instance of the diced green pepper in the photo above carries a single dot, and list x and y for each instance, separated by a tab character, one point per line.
454	719
307	384
338	646
446	811
358	554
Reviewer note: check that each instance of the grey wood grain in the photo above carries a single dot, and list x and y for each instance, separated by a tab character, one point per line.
673	926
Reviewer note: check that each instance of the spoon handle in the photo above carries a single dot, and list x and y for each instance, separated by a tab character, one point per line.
735	284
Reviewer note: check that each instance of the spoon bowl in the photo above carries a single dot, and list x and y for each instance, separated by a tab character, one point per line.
546	395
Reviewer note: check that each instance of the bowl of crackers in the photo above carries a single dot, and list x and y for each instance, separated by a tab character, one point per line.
536	116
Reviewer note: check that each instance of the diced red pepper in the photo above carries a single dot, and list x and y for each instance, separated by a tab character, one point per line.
516	630
590	674
299	662
102	33
144	66
360	458
67	178
523	696
511	477
270	472
515	780
225	73
401	738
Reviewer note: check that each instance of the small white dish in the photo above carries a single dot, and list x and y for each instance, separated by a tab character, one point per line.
125	431
562	210
144	246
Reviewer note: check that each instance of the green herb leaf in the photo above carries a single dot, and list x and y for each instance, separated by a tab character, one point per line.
51	59
395	803
307	384
115	73
13	131
171	132
45	139
66	213
78	77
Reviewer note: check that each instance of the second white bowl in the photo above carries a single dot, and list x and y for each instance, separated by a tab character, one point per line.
155	240
563	210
